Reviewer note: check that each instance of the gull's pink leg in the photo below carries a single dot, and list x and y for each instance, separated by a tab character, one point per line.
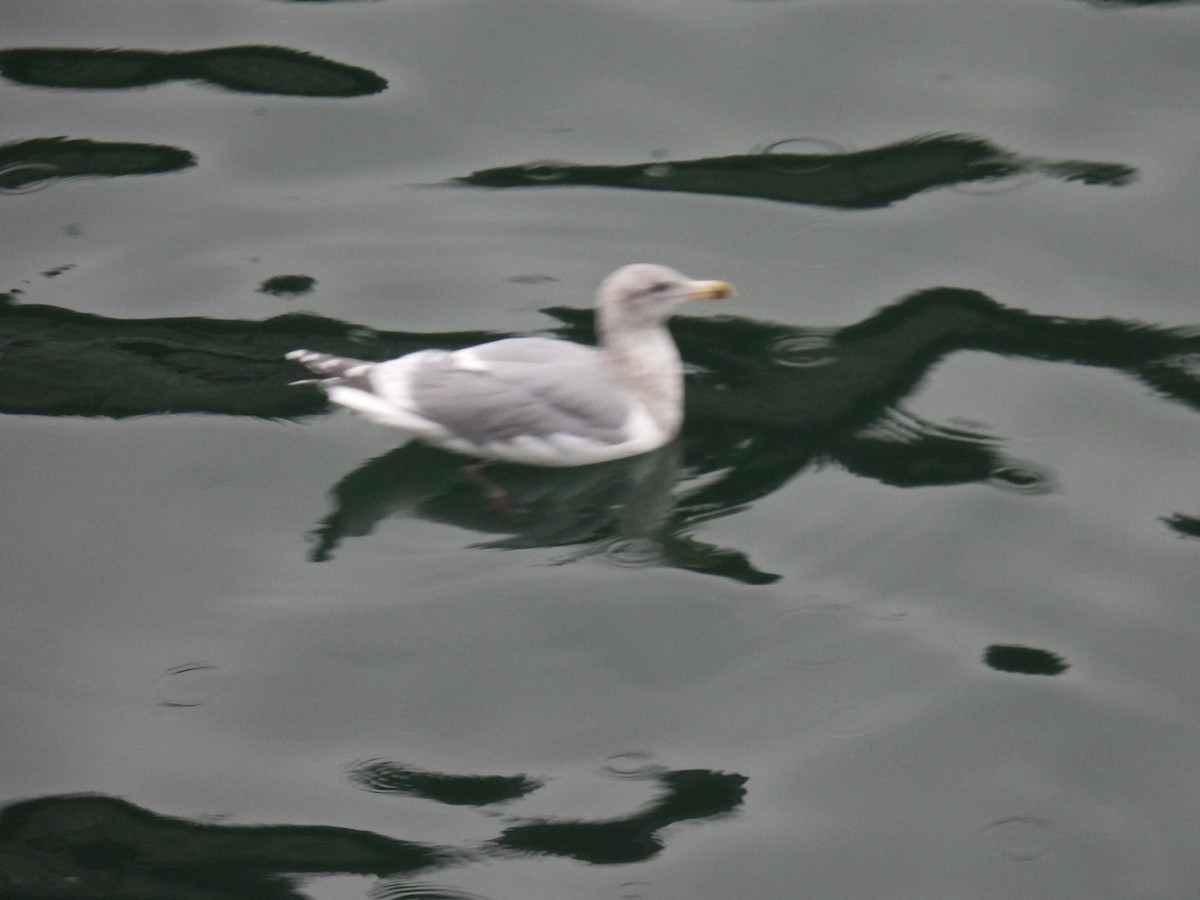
496	495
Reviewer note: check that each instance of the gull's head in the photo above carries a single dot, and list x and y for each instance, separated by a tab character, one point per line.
644	295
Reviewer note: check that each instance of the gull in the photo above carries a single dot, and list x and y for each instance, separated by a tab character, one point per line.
534	400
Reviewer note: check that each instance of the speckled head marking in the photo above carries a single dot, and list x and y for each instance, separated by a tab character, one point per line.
644	295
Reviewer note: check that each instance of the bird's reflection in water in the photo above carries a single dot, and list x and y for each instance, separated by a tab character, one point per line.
548	507
765	402
624	511
641	511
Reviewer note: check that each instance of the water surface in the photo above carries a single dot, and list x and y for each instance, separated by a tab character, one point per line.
909	610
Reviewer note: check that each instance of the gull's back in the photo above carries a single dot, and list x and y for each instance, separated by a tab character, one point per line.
518	387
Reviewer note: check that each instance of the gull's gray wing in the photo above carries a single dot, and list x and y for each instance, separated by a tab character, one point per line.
535	387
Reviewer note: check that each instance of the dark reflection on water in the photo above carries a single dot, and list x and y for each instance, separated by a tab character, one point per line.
98	846
383	776
93	845
764	402
864	179
76	364
27	165
1024	660
288	286
689	794
1184	526
250	69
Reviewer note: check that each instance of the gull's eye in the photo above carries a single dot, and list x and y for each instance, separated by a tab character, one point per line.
660	287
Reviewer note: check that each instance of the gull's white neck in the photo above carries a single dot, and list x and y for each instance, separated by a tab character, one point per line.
645	361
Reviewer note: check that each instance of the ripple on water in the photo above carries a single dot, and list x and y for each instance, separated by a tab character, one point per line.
633	764
391	890
1020	479
25	178
1020	838
984	187
546	171
802	350
187	685
852	717
634	553
821	635
796	154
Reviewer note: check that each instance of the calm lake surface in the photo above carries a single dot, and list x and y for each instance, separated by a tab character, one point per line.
910	611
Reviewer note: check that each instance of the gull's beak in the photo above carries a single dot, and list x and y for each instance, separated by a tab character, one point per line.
710	290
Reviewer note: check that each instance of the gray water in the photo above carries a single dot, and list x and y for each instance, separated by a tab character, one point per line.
909	612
